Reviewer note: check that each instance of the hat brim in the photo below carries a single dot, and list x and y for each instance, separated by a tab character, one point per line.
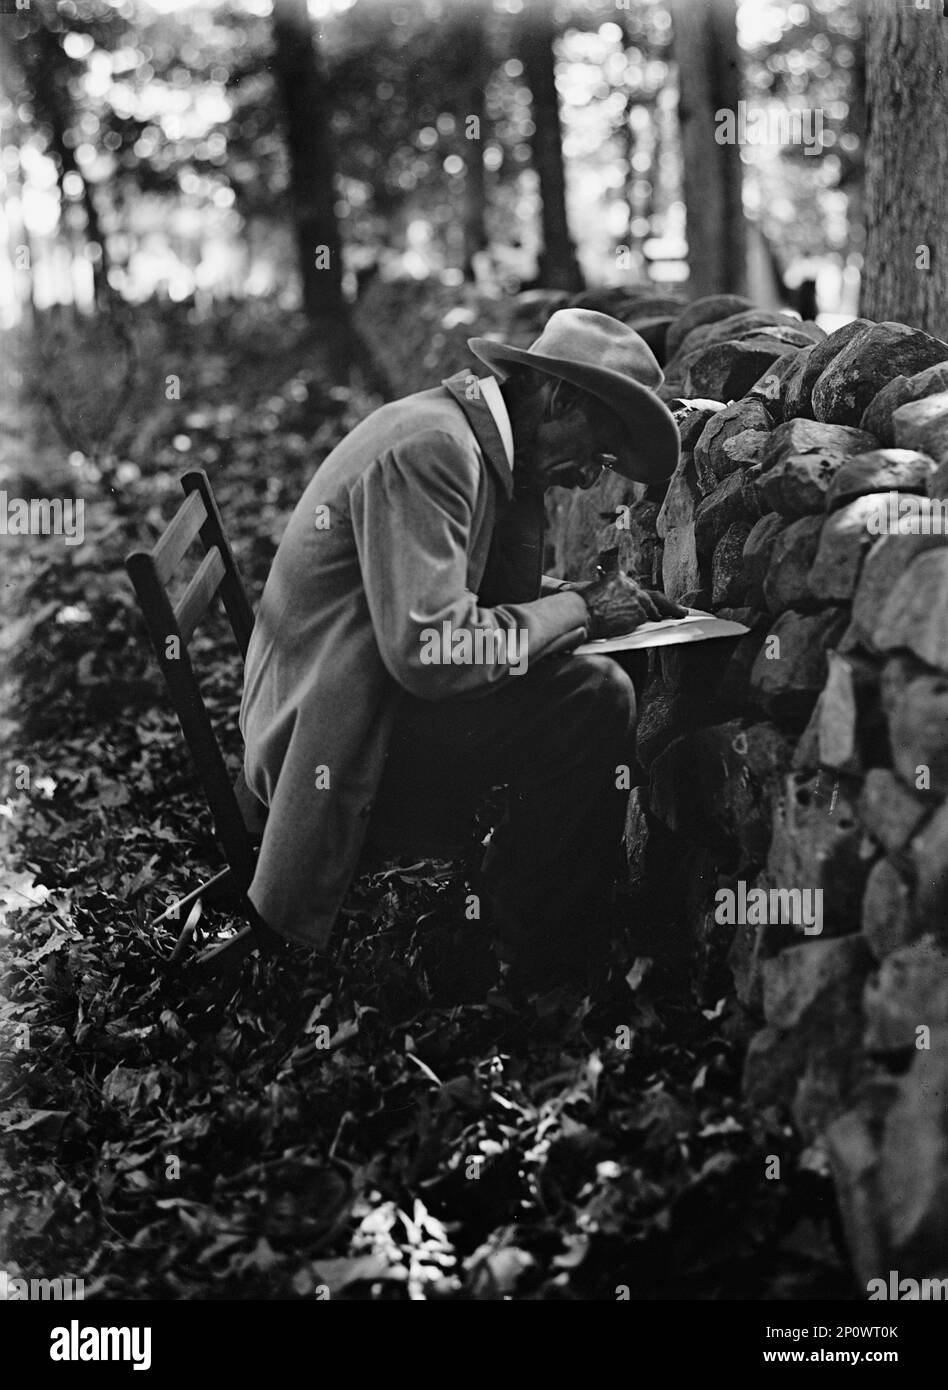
653	446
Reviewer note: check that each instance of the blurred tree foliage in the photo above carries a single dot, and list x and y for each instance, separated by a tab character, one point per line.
811	55
167	139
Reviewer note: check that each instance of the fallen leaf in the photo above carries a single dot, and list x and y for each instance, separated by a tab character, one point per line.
44	1124
131	1088
340	1274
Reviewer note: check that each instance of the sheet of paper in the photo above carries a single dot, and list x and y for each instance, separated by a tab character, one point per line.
694	627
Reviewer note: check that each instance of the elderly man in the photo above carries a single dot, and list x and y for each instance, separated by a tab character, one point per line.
408	655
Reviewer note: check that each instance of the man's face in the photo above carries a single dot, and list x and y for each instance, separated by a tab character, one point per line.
575	440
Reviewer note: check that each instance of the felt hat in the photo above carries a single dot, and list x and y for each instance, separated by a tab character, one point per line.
609	360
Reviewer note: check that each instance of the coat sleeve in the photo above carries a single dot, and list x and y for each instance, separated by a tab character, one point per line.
412	513
549	584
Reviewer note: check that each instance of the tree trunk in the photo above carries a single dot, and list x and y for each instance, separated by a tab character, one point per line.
312	172
709	80
102	290
472	42
45	69
906	267
559	269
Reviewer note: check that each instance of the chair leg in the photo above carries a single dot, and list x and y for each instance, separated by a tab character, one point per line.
174	911
227	957
224	955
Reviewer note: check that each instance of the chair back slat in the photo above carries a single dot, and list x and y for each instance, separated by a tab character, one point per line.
197	597
181	531
150	573
236	603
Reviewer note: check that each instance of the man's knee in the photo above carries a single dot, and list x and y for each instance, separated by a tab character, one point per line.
608	691
596	703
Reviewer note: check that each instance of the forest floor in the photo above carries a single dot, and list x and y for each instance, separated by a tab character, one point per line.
167	1136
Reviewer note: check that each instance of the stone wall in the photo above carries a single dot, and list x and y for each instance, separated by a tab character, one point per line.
811	754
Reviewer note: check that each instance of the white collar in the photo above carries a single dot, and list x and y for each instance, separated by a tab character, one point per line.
493	399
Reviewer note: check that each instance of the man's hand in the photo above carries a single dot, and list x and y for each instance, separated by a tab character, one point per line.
618	605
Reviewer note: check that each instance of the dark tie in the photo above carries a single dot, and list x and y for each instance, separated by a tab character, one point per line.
515	560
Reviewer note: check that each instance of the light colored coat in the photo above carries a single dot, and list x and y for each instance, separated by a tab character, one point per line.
413	495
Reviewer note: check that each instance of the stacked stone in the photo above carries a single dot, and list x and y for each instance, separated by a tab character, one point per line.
812	754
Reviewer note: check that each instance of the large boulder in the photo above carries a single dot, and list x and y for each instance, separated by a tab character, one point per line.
797	978
869	360
929	851
798	484
732	694
790	671
923	425
852	1148
717	784
772	388
814	1062
729	502
810	366
758	552
681	498
744	450
834	442
621	300
664	716
580	518
728	581
913	1165
784	340
846	538
910	991
880	470
675	525
889	811
711	462
914	617
792	552
681	568
888	920
755	759
726	370
709	309
844	718
691	418
753	944
745	324
887	560
654	331
877	417
818	845
634	533
696	668
918	733
938	489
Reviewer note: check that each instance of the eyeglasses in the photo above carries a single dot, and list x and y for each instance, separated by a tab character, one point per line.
594	469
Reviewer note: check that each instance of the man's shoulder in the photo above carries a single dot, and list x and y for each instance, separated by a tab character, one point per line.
431	413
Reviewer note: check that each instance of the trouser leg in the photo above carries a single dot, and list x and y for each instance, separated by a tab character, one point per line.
557	737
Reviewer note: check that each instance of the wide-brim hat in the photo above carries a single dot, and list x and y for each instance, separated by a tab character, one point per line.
610	361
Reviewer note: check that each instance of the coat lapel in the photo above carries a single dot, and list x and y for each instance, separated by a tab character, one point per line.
481	421
515	562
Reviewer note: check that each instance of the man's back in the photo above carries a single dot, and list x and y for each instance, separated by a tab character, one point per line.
334	637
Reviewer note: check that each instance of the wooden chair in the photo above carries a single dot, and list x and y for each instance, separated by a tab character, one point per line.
238	817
